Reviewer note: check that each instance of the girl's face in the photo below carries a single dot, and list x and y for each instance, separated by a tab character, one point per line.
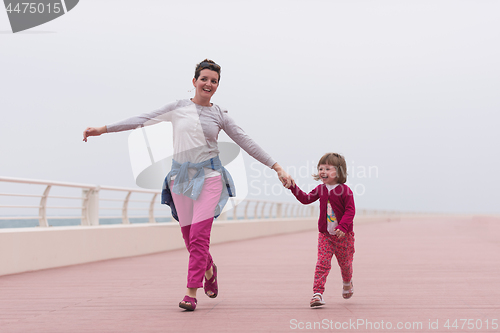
207	84
328	174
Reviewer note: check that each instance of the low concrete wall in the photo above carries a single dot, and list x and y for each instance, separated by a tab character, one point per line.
28	249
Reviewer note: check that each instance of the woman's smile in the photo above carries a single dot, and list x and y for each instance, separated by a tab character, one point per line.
206	85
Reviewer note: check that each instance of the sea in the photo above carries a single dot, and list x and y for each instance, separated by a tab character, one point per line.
30	223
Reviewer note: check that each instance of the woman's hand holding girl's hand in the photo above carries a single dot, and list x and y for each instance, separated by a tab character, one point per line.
94	131
339	233
284	177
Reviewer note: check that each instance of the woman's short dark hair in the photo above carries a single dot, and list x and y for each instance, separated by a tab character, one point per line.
337	161
206	64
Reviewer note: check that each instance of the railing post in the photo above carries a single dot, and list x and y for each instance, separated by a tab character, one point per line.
246	211
235	215
152	209
279	210
271	216
125	219
255	214
42	212
90	208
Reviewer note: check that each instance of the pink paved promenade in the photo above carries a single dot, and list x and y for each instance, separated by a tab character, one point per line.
410	272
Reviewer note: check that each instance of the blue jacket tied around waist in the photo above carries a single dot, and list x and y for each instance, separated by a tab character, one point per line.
192	188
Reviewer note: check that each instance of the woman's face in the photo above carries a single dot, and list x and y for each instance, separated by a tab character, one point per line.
207	83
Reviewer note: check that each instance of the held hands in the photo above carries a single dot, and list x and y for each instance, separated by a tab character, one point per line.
284	177
94	131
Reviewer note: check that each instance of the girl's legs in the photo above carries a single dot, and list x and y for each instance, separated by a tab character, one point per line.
195	218
344	251
343	248
324	263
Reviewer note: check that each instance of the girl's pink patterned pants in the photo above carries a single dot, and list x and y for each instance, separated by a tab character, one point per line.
328	245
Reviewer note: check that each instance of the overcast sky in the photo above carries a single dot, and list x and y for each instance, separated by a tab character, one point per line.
407	91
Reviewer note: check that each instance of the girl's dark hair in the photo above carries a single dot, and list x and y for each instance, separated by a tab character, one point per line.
337	161
206	64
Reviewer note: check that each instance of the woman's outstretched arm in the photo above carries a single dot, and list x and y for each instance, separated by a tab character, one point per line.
94	131
253	149
145	119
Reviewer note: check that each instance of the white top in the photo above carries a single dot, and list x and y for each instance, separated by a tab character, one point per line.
331	187
195	131
332	222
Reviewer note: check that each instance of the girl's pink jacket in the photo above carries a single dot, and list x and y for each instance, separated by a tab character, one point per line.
341	199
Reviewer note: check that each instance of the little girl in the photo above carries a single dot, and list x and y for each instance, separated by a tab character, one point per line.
336	215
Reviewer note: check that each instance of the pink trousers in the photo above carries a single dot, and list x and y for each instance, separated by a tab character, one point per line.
328	245
195	219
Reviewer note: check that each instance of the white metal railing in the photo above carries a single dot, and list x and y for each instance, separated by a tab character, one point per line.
262	209
90	204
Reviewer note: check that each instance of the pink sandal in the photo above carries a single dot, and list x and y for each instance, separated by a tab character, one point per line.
211	284
189	303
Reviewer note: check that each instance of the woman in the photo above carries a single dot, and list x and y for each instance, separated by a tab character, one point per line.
196	181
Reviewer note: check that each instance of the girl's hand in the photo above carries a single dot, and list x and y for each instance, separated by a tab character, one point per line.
94	131
339	233
283	176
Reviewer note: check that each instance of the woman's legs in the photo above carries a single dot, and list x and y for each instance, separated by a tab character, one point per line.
184	207
195	218
197	239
